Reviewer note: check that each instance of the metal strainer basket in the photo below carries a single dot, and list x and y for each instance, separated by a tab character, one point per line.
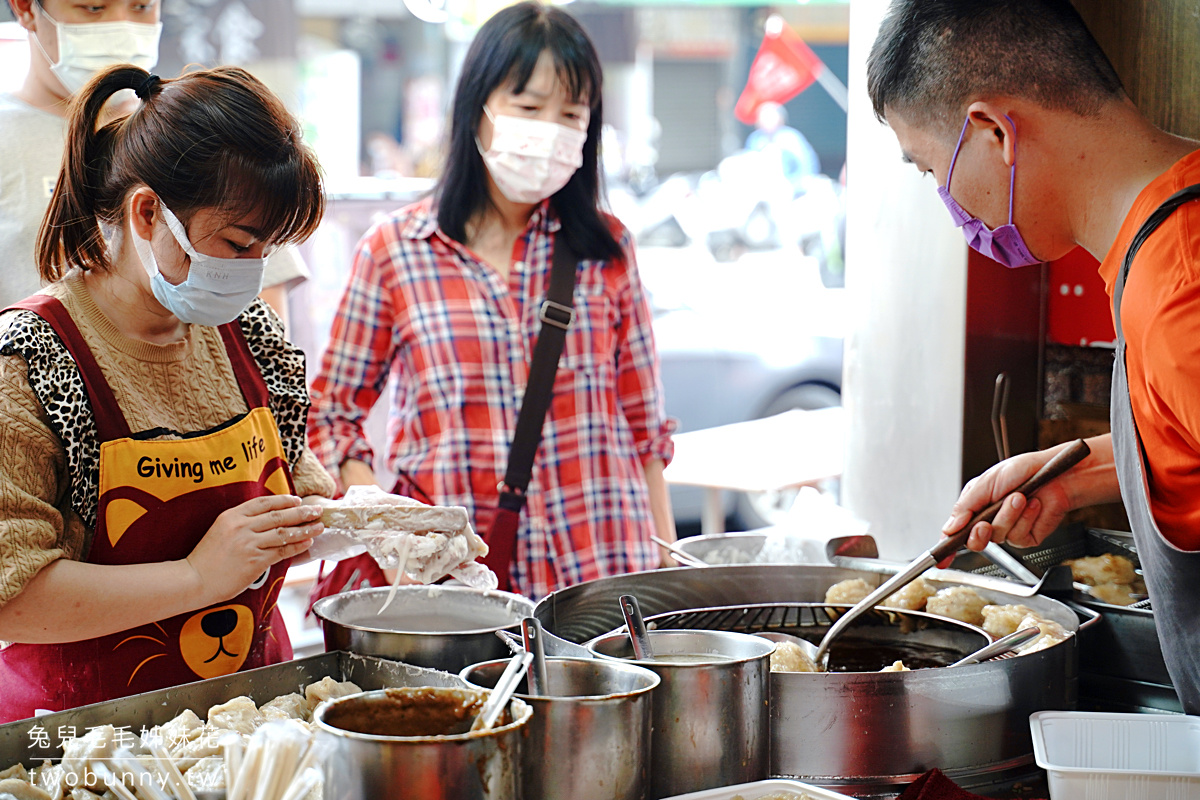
1075	541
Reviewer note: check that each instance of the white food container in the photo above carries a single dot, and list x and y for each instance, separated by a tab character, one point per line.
752	791
1117	756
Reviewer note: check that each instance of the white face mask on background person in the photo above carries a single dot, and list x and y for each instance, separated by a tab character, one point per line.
215	291
531	159
85	48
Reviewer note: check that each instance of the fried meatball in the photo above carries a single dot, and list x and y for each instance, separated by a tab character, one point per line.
1117	594
847	592
1101	569
1000	621
958	602
790	657
1052	634
911	597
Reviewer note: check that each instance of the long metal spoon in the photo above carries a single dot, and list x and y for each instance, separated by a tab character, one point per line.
638	637
531	630
1063	461
679	554
500	696
1000	646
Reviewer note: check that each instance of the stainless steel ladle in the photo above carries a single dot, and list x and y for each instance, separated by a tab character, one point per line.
1060	463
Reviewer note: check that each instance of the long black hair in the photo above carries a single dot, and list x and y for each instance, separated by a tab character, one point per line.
505	52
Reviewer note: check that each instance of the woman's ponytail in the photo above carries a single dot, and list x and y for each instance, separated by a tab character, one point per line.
70	232
213	138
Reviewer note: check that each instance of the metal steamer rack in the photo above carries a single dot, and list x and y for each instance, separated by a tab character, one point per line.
1073	541
1121	663
811	620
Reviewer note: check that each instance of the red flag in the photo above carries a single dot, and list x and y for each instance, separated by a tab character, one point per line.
783	68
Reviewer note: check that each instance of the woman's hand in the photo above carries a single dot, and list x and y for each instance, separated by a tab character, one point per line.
249	539
1027	521
356	473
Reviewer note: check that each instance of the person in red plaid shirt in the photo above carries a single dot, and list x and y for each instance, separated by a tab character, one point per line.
444	295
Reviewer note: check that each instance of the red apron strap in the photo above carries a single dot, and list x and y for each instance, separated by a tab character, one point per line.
245	368
110	422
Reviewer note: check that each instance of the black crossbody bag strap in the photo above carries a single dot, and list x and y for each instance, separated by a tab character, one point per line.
557	314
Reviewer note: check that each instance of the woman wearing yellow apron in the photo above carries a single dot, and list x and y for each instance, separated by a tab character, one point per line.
152	415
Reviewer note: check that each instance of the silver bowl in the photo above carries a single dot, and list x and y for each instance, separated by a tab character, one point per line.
439	627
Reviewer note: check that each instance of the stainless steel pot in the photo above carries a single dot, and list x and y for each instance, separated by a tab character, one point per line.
439	627
590	734
711	721
864	732
480	765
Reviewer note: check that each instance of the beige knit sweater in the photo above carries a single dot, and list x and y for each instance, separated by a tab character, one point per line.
183	386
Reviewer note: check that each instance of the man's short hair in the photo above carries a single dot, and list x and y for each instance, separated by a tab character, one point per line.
932	57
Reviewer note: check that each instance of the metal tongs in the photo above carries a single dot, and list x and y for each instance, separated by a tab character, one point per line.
1063	461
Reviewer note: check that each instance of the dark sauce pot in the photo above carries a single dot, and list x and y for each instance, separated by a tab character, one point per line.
418	740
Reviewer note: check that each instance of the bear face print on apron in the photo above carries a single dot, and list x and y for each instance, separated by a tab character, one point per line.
157	501
1172	575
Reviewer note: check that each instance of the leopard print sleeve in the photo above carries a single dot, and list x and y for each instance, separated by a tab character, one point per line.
283	370
58	385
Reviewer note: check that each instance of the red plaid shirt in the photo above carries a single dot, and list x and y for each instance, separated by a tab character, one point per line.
458	339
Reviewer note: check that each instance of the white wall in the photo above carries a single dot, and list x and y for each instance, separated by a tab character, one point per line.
906	280
14	56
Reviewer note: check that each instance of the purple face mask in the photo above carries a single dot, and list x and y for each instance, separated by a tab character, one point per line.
1003	245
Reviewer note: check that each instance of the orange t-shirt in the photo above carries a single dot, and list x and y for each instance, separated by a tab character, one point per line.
1160	311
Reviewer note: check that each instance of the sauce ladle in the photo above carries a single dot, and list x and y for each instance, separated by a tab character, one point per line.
638	637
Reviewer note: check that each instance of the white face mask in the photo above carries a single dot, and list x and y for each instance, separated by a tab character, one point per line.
88	47
216	290
531	159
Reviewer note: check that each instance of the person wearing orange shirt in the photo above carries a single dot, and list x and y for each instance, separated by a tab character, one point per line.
1036	149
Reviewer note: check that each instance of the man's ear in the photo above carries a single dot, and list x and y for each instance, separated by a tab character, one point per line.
994	119
23	11
142	208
